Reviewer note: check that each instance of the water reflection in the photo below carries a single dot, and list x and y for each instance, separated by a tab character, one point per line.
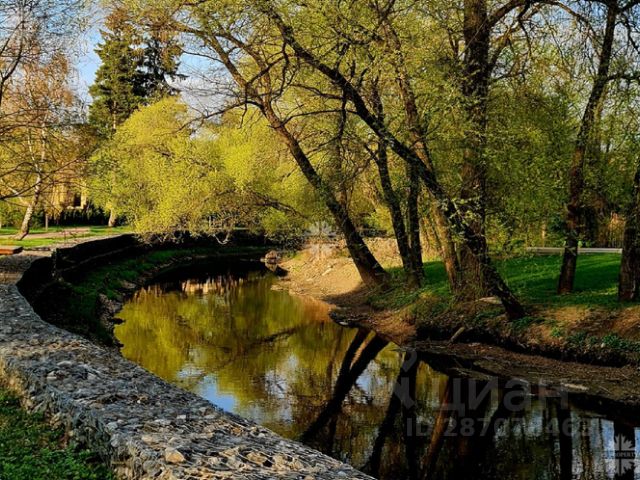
280	361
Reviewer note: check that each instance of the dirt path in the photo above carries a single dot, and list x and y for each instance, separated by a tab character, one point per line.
64	234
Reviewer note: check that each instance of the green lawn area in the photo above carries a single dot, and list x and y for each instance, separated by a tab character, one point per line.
32	450
533	279
54	235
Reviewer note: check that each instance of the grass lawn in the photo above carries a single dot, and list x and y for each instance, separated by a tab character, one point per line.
535	278
32	450
532	278
589	324
55	235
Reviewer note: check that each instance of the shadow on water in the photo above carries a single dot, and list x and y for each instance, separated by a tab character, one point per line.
278	359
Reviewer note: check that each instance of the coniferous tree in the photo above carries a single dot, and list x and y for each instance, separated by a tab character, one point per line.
137	66
119	86
160	64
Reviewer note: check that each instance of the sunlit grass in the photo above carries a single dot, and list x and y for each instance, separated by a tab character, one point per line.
533	278
53	235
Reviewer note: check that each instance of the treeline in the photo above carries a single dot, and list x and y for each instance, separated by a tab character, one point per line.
477	125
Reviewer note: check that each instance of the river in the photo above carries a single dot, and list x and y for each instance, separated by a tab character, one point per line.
227	335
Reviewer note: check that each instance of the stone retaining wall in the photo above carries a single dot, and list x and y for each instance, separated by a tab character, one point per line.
144	427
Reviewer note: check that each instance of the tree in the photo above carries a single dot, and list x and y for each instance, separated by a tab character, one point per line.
576	176
119	87
33	34
36	104
456	221
629	285
135	70
261	91
43	149
457	117
160	63
177	176
31	30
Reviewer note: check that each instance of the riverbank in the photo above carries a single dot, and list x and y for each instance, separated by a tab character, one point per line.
585	343
88	302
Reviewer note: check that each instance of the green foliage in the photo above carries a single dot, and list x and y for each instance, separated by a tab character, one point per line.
32	450
525	323
535	278
615	342
166	175
135	66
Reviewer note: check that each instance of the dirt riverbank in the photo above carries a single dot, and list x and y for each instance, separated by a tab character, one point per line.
326	273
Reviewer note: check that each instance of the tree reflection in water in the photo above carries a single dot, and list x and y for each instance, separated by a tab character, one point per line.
279	360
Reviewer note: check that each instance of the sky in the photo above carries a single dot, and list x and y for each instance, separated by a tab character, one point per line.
88	61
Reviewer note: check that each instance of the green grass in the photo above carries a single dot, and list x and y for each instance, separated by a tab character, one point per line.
533	278
30	242
32	450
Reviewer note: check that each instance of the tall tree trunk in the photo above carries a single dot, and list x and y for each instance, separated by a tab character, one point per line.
629	285
413	224
113	218
447	248
381	158
368	267
418	137
576	174
370	270
475	89
38	159
453	217
397	220
25	227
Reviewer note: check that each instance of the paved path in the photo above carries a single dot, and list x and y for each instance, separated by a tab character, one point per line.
558	250
64	234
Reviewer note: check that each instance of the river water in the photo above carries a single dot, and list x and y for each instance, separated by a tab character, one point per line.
225	334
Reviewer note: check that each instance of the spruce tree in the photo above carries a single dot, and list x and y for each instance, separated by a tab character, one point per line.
136	67
119	86
160	63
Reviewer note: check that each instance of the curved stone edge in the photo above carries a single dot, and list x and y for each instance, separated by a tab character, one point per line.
143	426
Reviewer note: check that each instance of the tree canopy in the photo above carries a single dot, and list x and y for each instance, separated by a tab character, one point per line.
468	127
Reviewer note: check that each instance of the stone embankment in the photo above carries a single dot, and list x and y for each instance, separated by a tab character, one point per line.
144	427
